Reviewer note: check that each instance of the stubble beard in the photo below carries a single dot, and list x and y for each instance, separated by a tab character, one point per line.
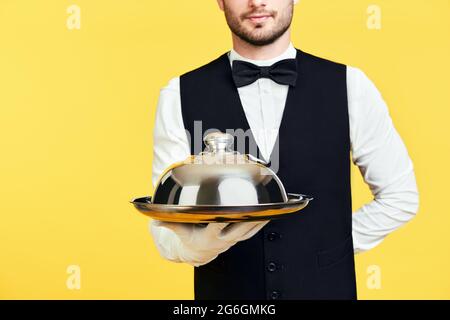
256	36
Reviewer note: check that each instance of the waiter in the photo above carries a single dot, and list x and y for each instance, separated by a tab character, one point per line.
318	115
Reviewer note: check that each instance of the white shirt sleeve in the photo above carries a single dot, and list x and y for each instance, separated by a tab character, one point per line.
170	140
170	144
383	160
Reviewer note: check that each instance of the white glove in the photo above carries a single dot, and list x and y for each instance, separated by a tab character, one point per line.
196	244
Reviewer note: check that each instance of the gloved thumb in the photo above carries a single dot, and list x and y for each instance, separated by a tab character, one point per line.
215	228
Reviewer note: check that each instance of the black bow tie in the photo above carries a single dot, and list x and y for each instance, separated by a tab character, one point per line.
282	72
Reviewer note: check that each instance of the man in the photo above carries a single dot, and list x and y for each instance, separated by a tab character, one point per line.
313	112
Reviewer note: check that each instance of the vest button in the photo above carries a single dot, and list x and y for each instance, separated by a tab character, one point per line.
273	236
272	266
275	295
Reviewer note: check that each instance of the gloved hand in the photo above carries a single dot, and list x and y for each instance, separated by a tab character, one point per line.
198	244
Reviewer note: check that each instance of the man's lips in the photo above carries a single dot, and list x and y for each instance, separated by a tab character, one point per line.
259	17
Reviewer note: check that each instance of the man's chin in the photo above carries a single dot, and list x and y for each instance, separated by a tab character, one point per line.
259	33
258	41
259	38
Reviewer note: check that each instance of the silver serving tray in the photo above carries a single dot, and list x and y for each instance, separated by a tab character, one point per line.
220	213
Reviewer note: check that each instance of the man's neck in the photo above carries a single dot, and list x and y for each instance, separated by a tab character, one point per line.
266	52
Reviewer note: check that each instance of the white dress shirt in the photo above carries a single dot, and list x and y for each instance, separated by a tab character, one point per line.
377	149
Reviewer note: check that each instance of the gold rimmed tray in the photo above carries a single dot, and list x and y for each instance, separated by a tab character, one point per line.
220	213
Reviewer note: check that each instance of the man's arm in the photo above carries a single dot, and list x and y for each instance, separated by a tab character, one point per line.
170	144
170	141
383	160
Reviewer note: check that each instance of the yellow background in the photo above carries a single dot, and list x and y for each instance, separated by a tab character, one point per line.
77	113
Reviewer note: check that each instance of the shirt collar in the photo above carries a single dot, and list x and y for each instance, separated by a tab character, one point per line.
289	53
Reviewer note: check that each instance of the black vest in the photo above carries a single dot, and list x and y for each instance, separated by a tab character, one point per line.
307	255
